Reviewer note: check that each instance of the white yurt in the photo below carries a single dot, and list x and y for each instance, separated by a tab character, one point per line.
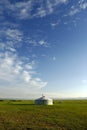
44	101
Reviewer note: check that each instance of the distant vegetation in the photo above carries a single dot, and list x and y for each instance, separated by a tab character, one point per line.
24	115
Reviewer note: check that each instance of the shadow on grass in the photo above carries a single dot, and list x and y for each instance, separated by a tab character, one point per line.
37	129
21	104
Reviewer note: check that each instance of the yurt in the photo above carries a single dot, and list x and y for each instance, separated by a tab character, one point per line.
43	101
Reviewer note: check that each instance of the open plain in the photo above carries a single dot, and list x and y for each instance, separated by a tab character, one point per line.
25	115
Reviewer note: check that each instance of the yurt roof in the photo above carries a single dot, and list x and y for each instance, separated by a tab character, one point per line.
44	98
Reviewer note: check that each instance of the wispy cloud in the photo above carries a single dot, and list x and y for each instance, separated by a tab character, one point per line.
54	24
21	10
74	11
24	9
36	42
12	37
14	34
43	43
82	5
14	71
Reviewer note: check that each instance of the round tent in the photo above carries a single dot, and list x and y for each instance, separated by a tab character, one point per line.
44	101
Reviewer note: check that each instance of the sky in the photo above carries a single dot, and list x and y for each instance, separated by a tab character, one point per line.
43	48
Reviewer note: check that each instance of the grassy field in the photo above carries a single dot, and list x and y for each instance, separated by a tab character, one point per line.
24	115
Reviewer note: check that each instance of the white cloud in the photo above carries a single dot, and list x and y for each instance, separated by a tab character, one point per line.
82	5
74	11
41	12
24	9
12	38
38	83
36	42
26	76
55	23
31	41
11	49
42	42
48	8
15	72
14	34
18	69
27	10
28	66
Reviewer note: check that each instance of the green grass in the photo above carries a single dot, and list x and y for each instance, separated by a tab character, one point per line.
24	115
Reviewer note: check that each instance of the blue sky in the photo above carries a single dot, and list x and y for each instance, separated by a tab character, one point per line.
43	48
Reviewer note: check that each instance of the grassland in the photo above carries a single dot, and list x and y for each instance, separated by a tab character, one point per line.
24	115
